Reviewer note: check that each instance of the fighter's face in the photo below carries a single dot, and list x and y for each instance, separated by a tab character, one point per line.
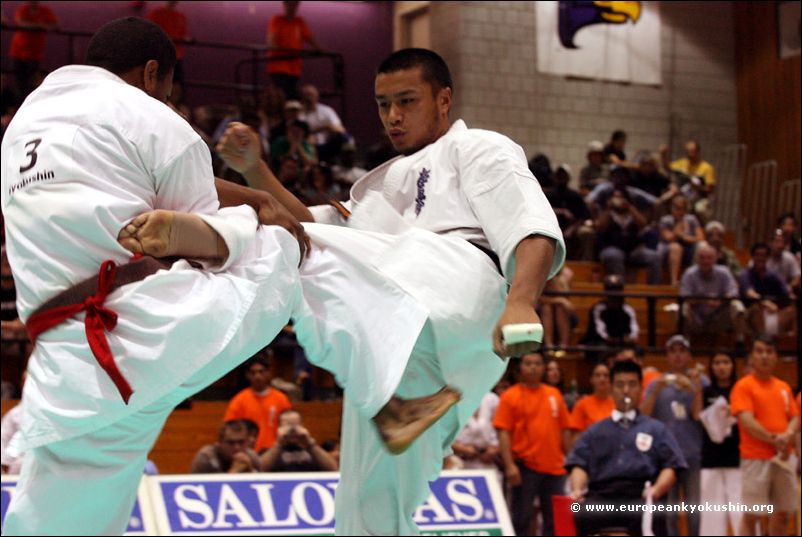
412	113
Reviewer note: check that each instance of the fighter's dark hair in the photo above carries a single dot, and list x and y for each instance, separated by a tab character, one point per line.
123	44
435	70
626	366
764	339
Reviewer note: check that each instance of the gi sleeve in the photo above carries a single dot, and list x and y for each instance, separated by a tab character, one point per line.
505	196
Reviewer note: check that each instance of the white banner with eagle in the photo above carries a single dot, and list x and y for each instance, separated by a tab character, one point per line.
600	40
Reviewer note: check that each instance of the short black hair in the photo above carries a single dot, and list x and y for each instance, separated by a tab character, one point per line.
235	426
129	42
259	359
618	135
766	340
434	68
785	216
759	246
626	366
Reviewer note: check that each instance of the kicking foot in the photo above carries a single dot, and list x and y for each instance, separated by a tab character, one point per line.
162	233
401	421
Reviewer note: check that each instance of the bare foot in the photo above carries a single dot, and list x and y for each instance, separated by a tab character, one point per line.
149	234
401	421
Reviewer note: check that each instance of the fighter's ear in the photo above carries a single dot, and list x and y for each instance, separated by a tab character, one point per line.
444	100
150	76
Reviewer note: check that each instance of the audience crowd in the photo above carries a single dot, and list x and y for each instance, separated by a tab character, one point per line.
721	432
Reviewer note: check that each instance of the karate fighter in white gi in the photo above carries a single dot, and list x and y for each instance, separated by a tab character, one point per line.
119	344
439	221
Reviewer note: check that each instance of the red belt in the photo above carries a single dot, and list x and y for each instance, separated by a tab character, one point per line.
89	296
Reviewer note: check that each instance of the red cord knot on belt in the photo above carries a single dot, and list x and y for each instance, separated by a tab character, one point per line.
97	321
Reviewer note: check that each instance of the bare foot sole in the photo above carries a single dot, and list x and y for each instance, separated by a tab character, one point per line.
401	421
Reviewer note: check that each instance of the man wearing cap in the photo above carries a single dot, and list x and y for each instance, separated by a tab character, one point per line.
572	215
596	171
675	398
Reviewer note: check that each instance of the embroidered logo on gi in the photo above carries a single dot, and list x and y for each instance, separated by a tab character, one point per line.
420	201
643	441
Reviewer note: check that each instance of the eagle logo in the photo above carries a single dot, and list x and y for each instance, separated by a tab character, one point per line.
574	16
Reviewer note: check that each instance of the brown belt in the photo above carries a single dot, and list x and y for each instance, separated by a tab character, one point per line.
89	296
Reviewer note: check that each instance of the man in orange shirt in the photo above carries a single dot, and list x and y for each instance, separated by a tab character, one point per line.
533	422
287	32
260	403
767	419
28	48
597	406
174	24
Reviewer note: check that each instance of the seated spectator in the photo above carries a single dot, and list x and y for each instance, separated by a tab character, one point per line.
540	166
596	171
715	232
620	178
680	232
647	177
320	186
291	112
614	151
783	263
259	403
557	313
296	450
346	172
611	321
615	458
675	398
324	124
767	420
229	455
295	145
332	447
532	423
714	314
598	405
572	215
290	175
620	230
766	296
788	224
272	110
476	446
698	176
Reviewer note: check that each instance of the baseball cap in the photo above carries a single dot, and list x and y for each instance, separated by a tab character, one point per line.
613	282
678	339
595	146
293	105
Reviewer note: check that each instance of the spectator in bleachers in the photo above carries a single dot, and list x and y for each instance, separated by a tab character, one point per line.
271	111
288	32
259	403
714	233
788	224
766	296
295	144
476	446
596	171
320	186
596	406
620	178
767	419
346	172
675	398
557	313
783	263
291	112
540	166
28	49
698	175
612	461
174	24
533	422
332	447
296	450
229	455
647	177
324	124
714	314
634	353
721	475
611	321
290	175
680	232
572	215
620	230
613	152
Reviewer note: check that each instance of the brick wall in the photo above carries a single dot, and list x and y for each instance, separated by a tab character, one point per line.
490	47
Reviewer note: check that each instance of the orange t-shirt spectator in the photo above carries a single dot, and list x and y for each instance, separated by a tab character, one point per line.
30	46
589	410
174	24
288	32
259	403
772	404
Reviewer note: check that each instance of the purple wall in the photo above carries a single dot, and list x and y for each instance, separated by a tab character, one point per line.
360	31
